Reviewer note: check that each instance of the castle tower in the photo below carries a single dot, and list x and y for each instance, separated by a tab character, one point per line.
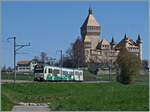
90	30
139	43
126	41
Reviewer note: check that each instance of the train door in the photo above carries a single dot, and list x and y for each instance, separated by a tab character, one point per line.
78	75
49	73
56	74
45	73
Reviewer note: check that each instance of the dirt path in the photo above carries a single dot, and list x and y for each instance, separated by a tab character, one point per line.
30	107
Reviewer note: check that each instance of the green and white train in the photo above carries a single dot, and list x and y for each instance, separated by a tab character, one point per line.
52	73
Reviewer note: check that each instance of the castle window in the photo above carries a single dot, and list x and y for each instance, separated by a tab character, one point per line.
88	45
87	52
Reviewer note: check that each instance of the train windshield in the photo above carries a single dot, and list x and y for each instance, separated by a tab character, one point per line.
38	69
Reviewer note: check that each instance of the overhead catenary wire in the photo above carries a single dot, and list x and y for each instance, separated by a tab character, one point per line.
15	49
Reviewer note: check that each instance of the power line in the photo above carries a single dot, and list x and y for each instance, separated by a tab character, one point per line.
61	54
16	48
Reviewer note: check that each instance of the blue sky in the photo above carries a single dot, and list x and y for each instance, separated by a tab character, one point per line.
51	26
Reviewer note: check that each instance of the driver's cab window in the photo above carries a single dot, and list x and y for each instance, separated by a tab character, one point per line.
45	71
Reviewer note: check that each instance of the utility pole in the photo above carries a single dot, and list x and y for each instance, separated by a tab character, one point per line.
110	65
61	57
14	59
61	63
16	48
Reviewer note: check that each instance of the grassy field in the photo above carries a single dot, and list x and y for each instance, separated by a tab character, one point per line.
19	76
78	96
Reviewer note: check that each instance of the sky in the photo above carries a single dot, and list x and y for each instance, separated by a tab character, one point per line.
52	26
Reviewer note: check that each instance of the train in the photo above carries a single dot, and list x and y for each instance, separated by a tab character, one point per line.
53	73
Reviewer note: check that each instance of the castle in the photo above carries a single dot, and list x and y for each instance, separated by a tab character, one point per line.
91	48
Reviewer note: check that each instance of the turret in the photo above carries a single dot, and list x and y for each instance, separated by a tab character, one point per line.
90	10
139	43
112	43
125	36
139	40
126	41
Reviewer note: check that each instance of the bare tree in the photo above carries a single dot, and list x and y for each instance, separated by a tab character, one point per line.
68	58
44	57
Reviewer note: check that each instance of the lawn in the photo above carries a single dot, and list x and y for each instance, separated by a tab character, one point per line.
79	96
19	76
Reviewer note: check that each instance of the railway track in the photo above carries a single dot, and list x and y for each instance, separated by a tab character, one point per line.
17	81
26	81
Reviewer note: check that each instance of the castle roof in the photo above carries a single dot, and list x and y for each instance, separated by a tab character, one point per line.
102	42
90	20
105	42
139	40
129	41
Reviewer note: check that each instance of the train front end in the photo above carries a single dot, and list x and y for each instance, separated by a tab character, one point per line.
39	72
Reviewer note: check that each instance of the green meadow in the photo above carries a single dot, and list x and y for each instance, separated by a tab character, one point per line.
79	96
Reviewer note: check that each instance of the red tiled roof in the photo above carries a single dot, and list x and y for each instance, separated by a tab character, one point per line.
25	62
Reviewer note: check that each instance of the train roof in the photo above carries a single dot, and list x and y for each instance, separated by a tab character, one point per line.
56	67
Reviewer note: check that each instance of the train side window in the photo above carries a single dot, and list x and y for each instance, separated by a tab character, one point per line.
76	73
49	70
56	71
70	73
65	72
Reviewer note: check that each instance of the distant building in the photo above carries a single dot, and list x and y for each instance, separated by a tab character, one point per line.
92	48
23	66
33	62
27	66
